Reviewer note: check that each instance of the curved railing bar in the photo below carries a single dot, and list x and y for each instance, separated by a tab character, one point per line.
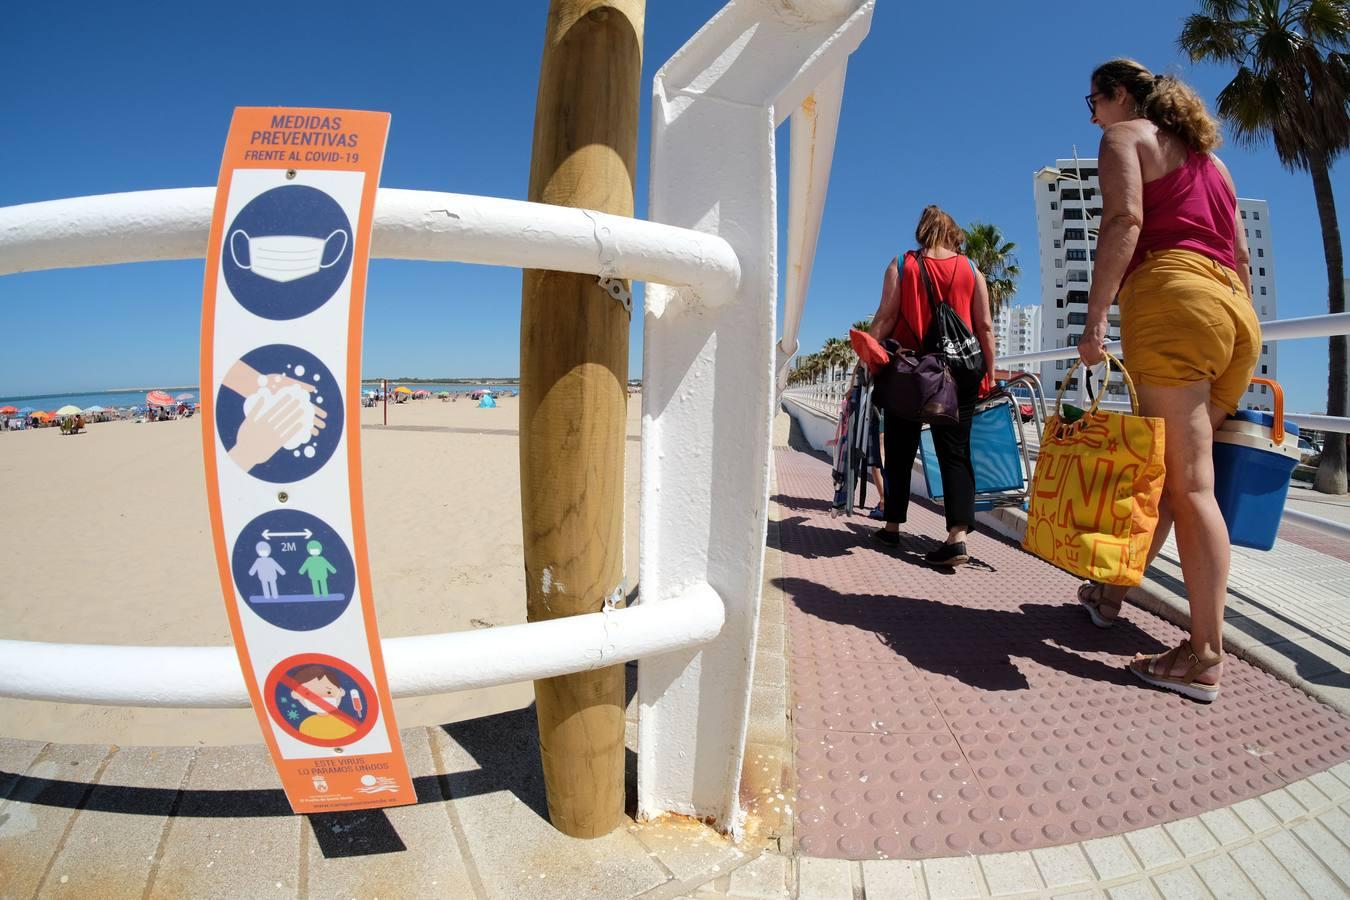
426	225
209	677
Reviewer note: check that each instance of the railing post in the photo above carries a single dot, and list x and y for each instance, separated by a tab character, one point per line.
573	398
708	378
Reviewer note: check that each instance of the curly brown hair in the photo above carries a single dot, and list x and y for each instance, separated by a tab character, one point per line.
1165	100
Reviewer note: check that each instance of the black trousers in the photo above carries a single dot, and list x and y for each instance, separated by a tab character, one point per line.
952	443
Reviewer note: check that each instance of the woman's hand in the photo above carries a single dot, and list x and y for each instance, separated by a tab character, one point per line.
1092	345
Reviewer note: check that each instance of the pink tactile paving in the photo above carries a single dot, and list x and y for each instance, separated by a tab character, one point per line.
978	711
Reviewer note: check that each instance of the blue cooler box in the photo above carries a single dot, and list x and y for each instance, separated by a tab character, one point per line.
1251	476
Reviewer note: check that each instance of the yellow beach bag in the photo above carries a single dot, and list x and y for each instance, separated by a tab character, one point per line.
1095	493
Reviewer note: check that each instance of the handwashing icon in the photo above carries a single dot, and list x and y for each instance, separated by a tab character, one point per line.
286	257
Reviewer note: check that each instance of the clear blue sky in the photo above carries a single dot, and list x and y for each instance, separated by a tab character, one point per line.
944	104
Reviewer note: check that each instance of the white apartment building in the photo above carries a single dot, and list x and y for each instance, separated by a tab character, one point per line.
1255	217
1068	217
1017	329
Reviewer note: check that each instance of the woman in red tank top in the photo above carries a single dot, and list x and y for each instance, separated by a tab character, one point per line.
904	315
1173	248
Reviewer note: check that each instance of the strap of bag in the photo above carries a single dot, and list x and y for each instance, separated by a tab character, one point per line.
933	298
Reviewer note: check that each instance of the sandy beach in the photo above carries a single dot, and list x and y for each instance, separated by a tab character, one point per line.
104	538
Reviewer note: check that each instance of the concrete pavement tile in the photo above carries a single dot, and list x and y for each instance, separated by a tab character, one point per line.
1153	847
234	833
496	786
1283	806
892	879
40	808
1181	884
1307	794
1265	873
1134	890
111	848
1191	837
763	878
824	879
772	639
770	669
1225	826
1335	789
690	850
1009	873
1299	861
768	715
1342	772
1062	867
15	758
1337	821
1307	659
1224	879
1324	845
1111	857
403	851
1090	894
1255	815
952	878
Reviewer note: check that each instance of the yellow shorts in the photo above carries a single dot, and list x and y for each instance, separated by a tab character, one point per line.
1185	318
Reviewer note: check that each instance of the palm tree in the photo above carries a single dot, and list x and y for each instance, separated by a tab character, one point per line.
837	353
994	257
1293	86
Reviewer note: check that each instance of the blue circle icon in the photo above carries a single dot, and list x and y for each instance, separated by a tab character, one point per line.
279	413
293	570
287	252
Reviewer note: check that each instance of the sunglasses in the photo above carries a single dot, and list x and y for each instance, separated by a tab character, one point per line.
1091	102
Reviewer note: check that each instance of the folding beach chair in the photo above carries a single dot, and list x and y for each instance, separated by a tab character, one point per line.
999	448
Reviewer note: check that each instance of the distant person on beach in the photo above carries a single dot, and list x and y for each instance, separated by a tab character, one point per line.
904	315
1173	248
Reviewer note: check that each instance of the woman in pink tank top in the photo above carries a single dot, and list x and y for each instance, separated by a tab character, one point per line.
1173	249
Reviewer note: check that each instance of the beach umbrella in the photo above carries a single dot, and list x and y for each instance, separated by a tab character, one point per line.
7	410
95	409
40	414
158	398
187	395
402	390
27	411
69	409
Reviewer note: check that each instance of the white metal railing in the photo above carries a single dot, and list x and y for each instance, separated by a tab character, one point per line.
425	225
416	666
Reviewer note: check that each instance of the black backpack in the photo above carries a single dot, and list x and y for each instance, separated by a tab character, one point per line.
947	334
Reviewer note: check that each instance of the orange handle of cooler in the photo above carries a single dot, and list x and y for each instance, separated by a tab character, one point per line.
1276	430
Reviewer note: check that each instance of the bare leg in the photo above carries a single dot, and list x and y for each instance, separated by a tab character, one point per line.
1202	537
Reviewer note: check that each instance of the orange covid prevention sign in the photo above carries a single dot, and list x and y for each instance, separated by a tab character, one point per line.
282	313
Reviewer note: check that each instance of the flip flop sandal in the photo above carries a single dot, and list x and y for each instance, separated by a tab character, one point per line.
1092	597
1150	669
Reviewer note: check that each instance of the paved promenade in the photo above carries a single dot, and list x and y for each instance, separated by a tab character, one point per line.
914	734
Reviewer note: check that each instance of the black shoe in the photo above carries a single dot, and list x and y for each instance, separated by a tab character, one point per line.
948	555
887	537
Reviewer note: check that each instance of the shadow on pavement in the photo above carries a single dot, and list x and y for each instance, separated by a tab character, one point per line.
977	646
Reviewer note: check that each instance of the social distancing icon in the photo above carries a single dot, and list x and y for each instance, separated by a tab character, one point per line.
287	252
279	413
293	570
321	700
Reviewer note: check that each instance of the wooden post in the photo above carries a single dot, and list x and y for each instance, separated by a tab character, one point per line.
573	402
384	395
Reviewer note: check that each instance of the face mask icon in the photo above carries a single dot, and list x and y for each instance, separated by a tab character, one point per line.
286	257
